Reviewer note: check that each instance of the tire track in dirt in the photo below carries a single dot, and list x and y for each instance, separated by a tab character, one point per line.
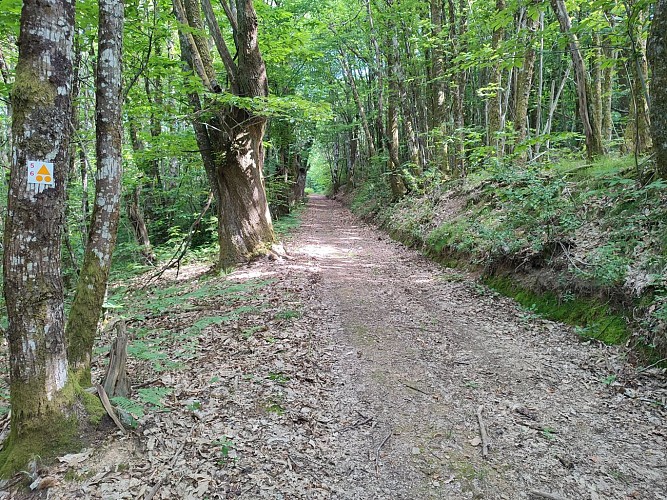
420	348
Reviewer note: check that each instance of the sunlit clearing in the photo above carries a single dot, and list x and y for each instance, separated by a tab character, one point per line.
252	273
323	252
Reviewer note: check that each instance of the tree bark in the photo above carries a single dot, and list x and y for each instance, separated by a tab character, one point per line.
230	142
657	53
92	285
393	140
610	55
638	130
495	82
524	83
33	287
593	139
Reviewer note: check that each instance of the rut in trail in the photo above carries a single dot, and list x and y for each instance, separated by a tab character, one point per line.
374	392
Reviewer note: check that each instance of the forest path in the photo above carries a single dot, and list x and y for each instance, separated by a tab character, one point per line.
421	348
354	369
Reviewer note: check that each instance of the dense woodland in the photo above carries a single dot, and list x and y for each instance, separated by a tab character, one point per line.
218	117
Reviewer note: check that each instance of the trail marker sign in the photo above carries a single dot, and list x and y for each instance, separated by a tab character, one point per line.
40	173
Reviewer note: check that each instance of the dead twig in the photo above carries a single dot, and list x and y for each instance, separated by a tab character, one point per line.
377	452
416	389
543	494
171	464
482	431
176	259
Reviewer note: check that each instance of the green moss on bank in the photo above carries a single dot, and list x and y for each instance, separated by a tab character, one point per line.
597	319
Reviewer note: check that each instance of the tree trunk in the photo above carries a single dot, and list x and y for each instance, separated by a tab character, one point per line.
495	82
638	131
92	285
657	53
593	139
33	288
524	83
393	140
138	222
457	27
610	55
231	148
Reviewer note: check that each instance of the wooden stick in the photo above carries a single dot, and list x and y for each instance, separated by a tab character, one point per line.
158	485
377	452
107	406
543	494
417	389
482	431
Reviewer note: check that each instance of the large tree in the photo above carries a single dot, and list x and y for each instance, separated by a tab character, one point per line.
40	389
657	52
229	134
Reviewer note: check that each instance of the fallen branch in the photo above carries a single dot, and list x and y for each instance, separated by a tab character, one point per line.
377	452
184	245
416	389
482	431
543	494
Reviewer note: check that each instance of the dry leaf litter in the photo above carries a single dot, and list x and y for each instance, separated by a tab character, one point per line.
354	368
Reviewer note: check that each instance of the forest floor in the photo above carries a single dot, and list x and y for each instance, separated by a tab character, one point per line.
356	368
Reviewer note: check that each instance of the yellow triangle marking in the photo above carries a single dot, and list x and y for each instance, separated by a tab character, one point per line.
44	170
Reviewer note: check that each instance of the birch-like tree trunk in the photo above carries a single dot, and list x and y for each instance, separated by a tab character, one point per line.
593	138
91	288
524	84
392	139
495	82
657	54
33	287
638	130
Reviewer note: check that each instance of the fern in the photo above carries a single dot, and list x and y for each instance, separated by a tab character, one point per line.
153	396
128	406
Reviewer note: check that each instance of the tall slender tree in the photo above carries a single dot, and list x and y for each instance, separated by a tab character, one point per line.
657	52
92	285
593	136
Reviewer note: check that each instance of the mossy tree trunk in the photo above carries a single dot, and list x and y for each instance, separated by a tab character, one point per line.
657	53
90	291
33	287
230	139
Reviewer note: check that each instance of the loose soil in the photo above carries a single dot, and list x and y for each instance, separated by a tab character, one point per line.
355	368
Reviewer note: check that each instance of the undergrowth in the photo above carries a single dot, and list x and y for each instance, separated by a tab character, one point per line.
599	228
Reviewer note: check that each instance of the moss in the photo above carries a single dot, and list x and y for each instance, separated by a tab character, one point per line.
45	437
93	407
597	318
52	430
84	315
28	87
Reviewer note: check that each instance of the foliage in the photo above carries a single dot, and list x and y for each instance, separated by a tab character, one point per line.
596	230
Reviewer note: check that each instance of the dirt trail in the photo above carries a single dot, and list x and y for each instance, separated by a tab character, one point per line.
376	387
422	348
